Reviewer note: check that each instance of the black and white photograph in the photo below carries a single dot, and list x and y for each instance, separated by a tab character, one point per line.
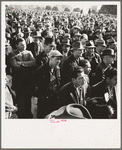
61	73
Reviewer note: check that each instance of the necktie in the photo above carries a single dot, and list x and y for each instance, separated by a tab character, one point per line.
81	100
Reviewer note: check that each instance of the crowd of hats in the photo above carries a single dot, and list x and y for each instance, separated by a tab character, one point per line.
88	26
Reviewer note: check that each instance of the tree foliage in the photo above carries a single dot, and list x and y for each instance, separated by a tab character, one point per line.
81	11
55	8
108	9
89	11
93	11
48	8
66	9
76	10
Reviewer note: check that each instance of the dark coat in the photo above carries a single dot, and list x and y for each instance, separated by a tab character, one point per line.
99	73
94	63
41	79
101	108
68	94
67	67
34	51
42	58
99	89
47	101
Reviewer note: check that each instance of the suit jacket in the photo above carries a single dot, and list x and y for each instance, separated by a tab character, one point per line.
42	58
99	73
68	94
22	64
99	90
41	79
67	67
34	51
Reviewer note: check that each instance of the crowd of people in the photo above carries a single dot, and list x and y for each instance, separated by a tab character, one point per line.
66	60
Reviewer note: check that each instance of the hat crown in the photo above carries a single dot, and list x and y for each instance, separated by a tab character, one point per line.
77	45
66	41
48	40
90	44
100	42
108	51
55	53
77	34
67	35
73	111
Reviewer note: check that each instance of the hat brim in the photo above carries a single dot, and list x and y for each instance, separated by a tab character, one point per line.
78	48
27	32
101	45
35	36
66	44
107	55
90	46
65	113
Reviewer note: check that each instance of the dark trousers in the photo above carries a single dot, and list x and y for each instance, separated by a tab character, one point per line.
46	106
23	101
22	87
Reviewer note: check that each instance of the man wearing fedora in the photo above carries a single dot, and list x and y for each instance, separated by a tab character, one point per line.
77	37
27	35
76	91
74	30
35	47
93	58
107	56
71	62
46	80
100	45
65	47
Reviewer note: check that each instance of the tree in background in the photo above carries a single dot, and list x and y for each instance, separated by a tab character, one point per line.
108	9
81	11
89	11
93	11
76	9
66	9
55	8
48	8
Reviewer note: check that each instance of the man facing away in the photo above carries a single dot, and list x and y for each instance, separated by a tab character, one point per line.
22	63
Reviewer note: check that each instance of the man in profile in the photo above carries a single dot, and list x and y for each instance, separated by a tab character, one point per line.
76	91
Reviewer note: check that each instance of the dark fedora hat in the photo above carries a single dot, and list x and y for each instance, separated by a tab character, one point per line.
109	52
55	30
76	27
65	42
27	30
49	40
71	111
36	35
77	45
98	31
90	44
100	42
67	36
77	34
111	41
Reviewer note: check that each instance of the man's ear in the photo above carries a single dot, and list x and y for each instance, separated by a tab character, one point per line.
73	79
